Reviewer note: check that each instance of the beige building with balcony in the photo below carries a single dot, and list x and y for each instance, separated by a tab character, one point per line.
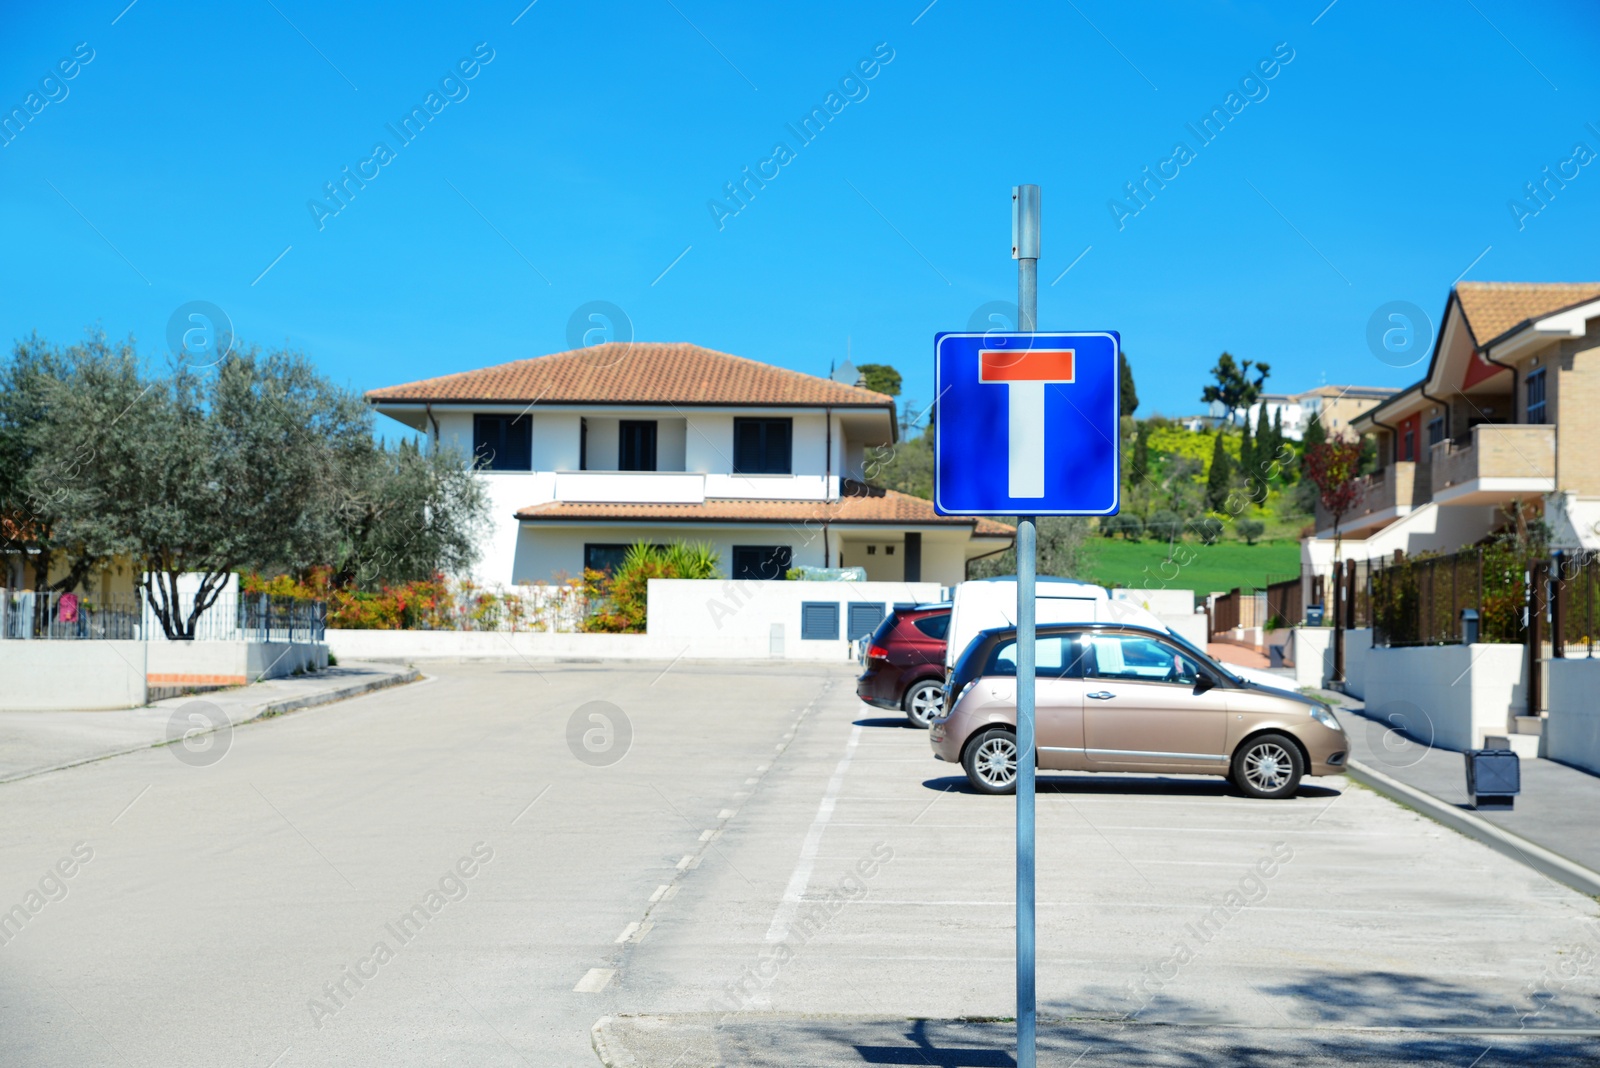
1506	412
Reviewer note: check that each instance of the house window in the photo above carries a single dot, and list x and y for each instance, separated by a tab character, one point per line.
1436	430
603	557
762	561
636	445
762	446
503	442
1535	384
1408	451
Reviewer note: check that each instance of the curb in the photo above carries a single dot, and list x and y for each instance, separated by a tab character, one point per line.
602	1048
1546	863
266	711
278	708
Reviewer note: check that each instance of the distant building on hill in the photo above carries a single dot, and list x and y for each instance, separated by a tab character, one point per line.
1336	407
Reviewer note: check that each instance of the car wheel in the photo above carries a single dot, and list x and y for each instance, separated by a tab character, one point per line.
1268	766
924	702
991	762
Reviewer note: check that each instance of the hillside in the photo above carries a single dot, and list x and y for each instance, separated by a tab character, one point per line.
1168	484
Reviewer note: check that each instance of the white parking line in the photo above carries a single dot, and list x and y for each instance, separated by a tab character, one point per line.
794	894
594	980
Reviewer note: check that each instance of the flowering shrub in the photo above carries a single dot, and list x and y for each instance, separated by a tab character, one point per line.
432	604
618	603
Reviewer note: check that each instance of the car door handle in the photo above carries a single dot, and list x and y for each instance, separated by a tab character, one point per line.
1101	695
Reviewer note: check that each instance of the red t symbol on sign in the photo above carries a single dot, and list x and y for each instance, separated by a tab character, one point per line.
1026	372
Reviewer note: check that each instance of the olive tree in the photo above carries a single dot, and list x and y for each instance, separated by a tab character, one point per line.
407	514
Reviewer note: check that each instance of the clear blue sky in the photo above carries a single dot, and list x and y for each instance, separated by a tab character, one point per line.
179	164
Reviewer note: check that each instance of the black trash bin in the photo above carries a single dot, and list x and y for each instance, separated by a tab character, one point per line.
1494	778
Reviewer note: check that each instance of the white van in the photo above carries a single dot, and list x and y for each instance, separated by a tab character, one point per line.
979	604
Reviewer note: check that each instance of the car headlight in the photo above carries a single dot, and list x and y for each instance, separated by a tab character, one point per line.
1324	715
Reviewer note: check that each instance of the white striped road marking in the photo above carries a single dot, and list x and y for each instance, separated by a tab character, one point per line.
796	890
594	980
660	893
725	814
628	932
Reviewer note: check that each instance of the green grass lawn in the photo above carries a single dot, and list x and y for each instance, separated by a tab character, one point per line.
1202	568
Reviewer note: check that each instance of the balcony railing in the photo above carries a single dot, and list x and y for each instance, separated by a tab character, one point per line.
1495	450
631	487
1382	490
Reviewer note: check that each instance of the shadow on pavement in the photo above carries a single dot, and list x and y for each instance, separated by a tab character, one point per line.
1365	1018
887	721
1116	783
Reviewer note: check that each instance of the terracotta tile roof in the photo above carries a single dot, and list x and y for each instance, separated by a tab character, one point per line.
637	373
1493	308
892	507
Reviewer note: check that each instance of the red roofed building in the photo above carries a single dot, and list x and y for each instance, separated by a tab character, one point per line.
588	451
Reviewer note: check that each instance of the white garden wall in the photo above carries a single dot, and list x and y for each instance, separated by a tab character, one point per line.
79	675
695	619
91	674
1456	694
1462	693
1572	722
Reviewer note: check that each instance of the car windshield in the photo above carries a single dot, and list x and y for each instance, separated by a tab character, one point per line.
1201	655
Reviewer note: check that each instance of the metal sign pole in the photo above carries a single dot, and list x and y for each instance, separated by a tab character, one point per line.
1025	250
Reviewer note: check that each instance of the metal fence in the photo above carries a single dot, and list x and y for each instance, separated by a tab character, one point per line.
1420	600
1285	602
1238	608
53	616
30	614
1574	605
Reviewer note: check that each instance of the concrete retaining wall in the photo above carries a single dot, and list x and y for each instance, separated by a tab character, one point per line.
57	675
1572	724
90	675
1449	696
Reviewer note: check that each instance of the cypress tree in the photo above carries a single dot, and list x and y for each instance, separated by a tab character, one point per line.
1247	452
1219	478
1129	391
1266	443
1315	433
1139	466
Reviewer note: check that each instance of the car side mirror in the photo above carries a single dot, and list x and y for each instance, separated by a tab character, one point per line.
1202	683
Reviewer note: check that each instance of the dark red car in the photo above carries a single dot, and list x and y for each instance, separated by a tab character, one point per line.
904	662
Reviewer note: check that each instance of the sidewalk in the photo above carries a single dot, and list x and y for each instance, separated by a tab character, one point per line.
35	742
1554	812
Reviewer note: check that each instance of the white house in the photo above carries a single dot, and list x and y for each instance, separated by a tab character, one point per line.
586	452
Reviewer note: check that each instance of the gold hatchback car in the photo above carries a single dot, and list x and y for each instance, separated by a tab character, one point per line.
1123	698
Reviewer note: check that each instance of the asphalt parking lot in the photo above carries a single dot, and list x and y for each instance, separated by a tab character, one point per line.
764	847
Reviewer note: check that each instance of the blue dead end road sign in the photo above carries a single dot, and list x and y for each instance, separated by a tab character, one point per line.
1027	424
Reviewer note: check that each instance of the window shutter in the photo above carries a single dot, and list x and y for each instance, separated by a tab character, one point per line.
863	619
819	621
